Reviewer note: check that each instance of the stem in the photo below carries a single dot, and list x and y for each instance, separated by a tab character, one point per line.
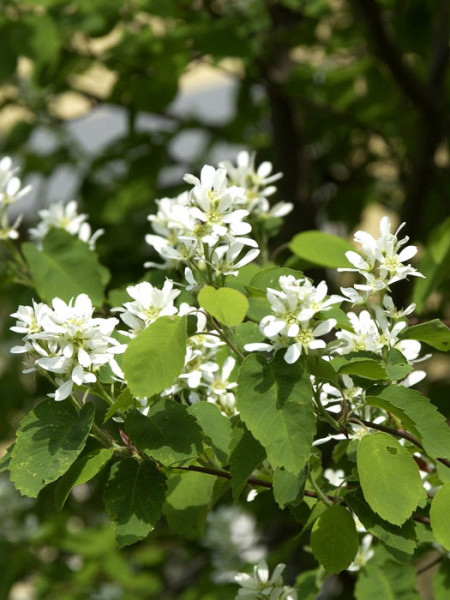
224	335
100	391
102	437
17	265
323	413
278	250
321	496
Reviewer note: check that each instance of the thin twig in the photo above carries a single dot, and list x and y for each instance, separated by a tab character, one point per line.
430	565
398	433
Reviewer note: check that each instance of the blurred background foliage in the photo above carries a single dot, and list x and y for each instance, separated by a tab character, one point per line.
349	98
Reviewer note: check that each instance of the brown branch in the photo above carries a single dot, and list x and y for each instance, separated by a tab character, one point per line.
397	432
387	50
440	52
275	66
250	480
420	519
430	565
269	485
427	96
401	433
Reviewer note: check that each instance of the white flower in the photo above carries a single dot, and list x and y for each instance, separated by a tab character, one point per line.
245	174
332	397
10	185
305	339
365	337
384	256
392	312
256	183
183	251
148	304
200	366
172	221
364	553
294	306
68	341
8	231
219	386
354	431
225	259
335	477
214	207
173	216
260	587
352	295
302	342
290	325
60	216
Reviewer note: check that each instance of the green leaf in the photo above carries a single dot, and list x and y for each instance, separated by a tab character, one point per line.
134	497
434	333
215	426
242	279
246	454
38	37
274	401
321	369
399	541
321	248
64	268
389	477
169	434
188	502
334	539
124	402
391	582
441	580
49	440
81	471
440	516
288	487
396	365
226	305
155	357
363	364
435	265
417	414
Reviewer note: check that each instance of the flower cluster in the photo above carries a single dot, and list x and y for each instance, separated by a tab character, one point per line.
204	229
11	191
257	183
67	342
377	328
260	586
207	228
202	378
60	216
298	313
294	323
382	263
148	304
